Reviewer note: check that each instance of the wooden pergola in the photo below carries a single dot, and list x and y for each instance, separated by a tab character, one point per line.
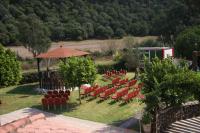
58	53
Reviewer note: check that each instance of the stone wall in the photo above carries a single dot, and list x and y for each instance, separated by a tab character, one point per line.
167	116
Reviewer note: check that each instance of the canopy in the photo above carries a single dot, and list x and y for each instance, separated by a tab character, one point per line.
62	53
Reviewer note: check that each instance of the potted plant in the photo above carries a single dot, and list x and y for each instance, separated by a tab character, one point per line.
146	123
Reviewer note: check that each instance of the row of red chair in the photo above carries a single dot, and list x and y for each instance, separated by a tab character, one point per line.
130	95
88	90
108	92
54	102
97	92
131	83
114	73
115	81
139	86
122	82
118	95
55	92
65	95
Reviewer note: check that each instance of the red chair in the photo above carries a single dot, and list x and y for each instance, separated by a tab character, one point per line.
63	102
45	103
132	83
53	95
61	92
107	93
98	91
67	92
49	92
46	96
57	102
120	94
55	92
130	96
115	81
51	102
66	96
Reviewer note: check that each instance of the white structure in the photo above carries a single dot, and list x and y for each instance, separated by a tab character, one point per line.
152	52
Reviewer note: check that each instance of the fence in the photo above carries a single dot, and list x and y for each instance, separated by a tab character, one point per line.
167	116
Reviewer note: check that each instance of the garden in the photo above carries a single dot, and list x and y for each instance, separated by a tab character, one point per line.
110	91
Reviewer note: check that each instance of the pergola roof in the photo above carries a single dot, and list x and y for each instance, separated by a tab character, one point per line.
62	53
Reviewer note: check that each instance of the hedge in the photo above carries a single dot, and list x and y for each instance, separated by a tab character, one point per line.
29	77
105	67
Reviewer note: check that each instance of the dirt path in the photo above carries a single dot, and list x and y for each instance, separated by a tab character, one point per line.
90	45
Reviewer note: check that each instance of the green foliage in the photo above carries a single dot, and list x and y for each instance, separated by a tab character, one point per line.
104	32
10	69
83	19
146	118
167	84
34	35
102	68
151	43
77	71
29	77
187	42
130	58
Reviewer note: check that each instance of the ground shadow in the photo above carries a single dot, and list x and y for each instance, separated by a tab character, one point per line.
130	125
24	89
123	104
112	102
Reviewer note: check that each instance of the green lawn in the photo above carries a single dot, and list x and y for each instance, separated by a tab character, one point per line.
107	111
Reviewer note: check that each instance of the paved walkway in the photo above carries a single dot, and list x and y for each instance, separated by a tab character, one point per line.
59	123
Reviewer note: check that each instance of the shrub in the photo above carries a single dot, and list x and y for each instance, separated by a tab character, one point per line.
188	41
76	71
10	68
151	43
29	77
131	59
166	85
106	67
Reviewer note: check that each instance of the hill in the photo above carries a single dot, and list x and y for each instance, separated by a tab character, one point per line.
86	19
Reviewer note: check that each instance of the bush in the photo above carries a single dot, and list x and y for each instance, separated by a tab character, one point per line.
166	85
10	68
131	59
187	42
106	67
77	71
29	77
151	43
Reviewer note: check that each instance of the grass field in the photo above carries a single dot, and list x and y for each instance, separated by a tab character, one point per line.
107	111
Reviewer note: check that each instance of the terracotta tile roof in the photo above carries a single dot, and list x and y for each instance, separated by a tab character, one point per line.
62	53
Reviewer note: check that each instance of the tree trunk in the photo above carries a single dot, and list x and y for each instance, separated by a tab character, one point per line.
79	91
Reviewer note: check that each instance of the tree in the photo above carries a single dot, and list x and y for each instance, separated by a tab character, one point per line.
139	29
77	71
188	41
104	32
151	43
120	33
166	85
34	35
10	69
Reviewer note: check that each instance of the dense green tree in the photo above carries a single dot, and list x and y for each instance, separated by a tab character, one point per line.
120	32
10	69
104	32
77	71
187	42
83	19
34	35
166	85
